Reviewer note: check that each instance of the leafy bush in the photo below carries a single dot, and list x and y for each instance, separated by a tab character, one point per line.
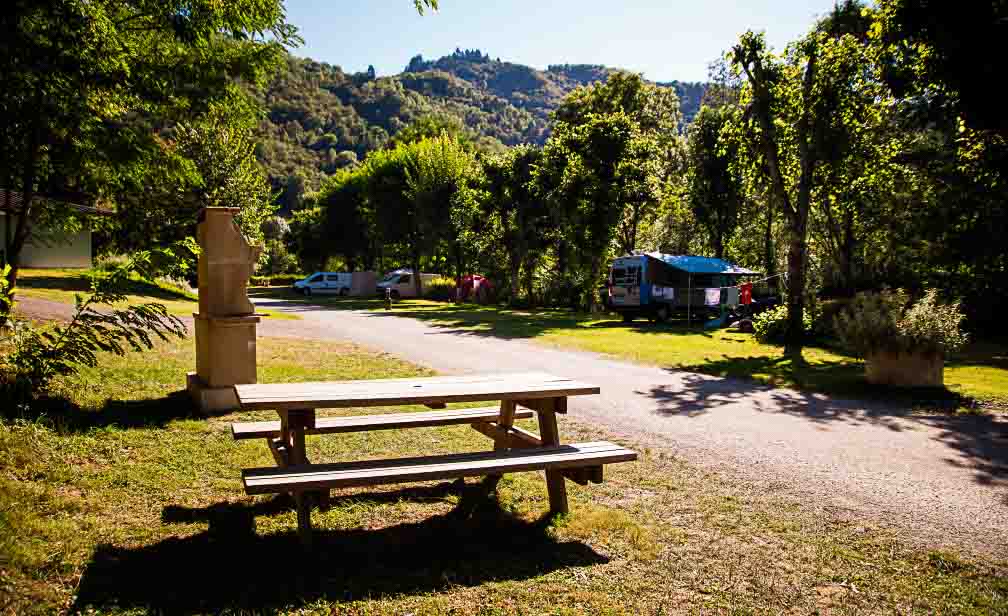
440	289
276	259
886	321
40	354
770	326
6	297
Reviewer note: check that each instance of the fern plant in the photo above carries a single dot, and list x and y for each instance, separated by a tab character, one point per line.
40	354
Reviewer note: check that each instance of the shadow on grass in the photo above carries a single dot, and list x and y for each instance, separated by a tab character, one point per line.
230	567
82	284
68	417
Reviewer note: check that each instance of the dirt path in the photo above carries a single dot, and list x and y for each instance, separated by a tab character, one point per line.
934	478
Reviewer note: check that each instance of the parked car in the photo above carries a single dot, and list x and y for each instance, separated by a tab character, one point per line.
401	283
337	283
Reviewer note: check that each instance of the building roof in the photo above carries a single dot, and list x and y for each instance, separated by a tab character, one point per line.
17	203
701	265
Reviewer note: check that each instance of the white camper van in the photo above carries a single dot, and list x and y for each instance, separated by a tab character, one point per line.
401	283
338	283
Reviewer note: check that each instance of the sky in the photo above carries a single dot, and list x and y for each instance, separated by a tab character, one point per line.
665	40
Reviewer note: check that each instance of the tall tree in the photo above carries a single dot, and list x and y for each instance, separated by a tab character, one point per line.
520	216
714	192
77	72
780	100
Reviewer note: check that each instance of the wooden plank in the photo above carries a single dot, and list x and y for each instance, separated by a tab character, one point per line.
517	438
545	405
377	472
522	438
388	421
279	450
550	435
391	392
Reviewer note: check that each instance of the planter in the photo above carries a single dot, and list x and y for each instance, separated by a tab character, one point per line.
905	369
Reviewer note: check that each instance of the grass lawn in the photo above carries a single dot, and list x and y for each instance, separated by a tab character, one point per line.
980	373
117	499
62	285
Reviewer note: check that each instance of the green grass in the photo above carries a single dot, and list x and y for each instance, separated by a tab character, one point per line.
63	285
118	499
122	488
977	375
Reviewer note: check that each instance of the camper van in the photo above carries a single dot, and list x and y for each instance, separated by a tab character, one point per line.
656	285
338	283
401	283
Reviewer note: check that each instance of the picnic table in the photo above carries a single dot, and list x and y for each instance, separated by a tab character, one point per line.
515	450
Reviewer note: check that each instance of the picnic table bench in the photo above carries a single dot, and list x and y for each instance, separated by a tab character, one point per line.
515	450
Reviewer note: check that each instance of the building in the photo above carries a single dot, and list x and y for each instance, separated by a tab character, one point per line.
47	249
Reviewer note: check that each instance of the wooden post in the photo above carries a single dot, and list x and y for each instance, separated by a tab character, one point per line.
550	435
501	442
295	422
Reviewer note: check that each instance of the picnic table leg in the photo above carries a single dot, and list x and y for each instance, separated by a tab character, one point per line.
507	412
296	422
550	436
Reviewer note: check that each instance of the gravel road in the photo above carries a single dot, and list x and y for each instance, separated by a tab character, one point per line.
936	479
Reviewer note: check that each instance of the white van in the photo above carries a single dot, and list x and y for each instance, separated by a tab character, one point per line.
402	284
338	283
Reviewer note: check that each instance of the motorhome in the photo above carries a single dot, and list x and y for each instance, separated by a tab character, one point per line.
656	285
400	283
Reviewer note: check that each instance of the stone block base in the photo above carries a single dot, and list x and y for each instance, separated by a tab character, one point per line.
210	399
905	369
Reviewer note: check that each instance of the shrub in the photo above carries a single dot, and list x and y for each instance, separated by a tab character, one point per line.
40	354
440	289
6	297
886	321
276	259
770	326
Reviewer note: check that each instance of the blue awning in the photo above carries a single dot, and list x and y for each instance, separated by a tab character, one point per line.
702	265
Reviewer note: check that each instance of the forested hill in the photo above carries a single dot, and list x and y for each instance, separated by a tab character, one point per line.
320	118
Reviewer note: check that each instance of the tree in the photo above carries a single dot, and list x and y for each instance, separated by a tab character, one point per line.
439	179
658	156
78	74
229	175
780	100
519	215
580	175
713	191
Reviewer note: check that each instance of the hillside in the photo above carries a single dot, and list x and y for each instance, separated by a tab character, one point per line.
320	118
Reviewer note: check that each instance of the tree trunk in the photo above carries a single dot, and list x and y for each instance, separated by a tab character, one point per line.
417	283
515	282
848	254
796	291
769	260
529	281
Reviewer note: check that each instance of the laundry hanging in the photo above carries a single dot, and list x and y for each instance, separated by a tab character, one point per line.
745	293
732	296
713	297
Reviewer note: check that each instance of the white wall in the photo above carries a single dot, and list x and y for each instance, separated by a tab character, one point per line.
72	252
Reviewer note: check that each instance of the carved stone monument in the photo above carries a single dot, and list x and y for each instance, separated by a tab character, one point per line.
226	321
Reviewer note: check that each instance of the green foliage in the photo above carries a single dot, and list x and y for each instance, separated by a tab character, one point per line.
276	259
713	191
440	289
886	321
771	326
98	325
92	82
6	297
222	153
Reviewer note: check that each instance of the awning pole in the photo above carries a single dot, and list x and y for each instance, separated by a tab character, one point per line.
689	300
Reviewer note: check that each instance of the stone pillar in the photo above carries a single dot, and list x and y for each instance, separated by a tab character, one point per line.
225	323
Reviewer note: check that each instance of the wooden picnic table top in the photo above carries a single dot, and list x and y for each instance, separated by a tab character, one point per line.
417	390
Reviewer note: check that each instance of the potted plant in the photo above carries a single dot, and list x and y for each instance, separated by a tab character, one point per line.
902	343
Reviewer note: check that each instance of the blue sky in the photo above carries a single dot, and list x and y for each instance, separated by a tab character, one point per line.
663	39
